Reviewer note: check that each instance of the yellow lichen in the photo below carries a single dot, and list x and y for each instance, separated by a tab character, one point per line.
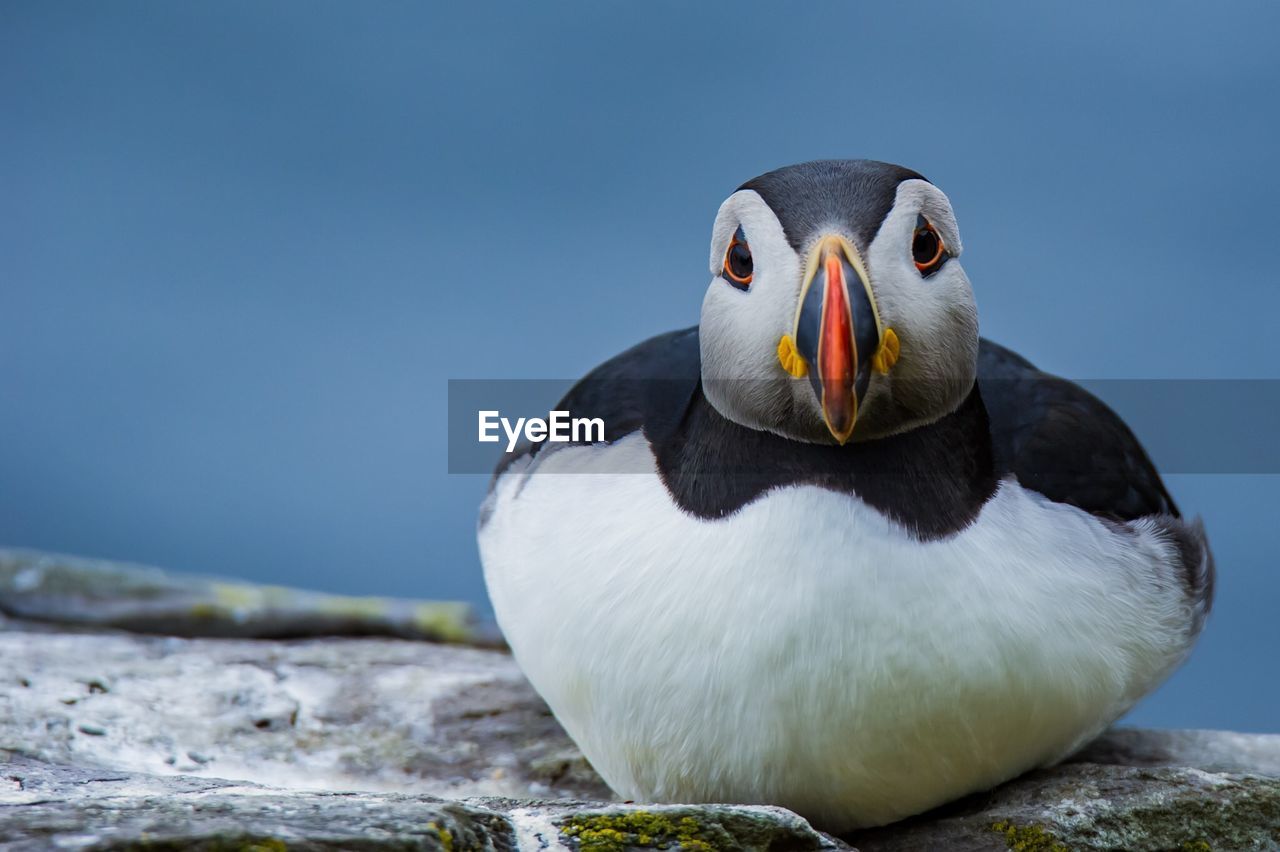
617	832
445	835
1027	838
448	620
236	595
265	844
205	611
349	606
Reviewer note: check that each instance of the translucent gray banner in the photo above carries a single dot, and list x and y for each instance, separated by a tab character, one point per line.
1185	425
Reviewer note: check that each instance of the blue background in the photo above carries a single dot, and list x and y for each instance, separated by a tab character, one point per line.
245	244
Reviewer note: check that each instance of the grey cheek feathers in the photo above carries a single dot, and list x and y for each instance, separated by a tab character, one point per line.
935	318
925	198
747	210
877	208
740	330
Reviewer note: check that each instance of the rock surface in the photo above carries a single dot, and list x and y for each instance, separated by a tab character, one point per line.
330	714
44	806
1092	806
97	593
110	740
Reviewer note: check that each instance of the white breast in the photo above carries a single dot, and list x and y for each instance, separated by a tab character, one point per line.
807	651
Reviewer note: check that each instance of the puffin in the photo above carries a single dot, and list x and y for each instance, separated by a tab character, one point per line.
837	552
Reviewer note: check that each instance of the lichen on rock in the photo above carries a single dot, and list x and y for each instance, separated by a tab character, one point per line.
93	592
644	829
115	741
1027	838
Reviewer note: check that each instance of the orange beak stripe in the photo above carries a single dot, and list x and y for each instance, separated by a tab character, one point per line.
837	355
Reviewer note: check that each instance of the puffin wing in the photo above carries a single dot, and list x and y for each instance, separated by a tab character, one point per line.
649	387
1065	443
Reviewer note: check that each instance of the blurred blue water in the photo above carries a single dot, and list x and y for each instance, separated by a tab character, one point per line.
245	245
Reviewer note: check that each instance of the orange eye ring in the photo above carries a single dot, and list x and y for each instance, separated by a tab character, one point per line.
738	268
928	251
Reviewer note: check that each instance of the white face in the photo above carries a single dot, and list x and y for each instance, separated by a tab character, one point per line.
932	313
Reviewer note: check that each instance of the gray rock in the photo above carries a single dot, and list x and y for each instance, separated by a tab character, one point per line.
1090	806
111	740
367	714
1215	751
96	593
60	807
44	806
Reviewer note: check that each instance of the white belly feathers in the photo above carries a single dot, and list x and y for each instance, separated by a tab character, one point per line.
808	652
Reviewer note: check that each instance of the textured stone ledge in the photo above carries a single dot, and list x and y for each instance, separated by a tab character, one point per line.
112	740
44	806
71	590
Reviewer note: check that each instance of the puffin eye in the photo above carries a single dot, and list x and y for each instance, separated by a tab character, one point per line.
927	249
737	262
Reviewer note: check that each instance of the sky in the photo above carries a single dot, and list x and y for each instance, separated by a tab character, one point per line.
246	245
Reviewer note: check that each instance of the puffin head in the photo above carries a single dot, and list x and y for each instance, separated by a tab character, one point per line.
838	309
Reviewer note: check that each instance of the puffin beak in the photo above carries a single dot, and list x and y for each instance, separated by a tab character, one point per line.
838	332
